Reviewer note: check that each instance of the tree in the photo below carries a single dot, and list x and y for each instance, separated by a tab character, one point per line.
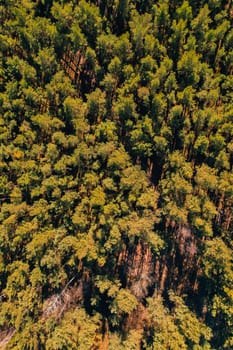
140	25
89	20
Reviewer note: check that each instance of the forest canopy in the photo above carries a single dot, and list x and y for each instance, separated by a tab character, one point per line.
116	182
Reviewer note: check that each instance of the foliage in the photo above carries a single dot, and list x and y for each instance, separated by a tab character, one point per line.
116	179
